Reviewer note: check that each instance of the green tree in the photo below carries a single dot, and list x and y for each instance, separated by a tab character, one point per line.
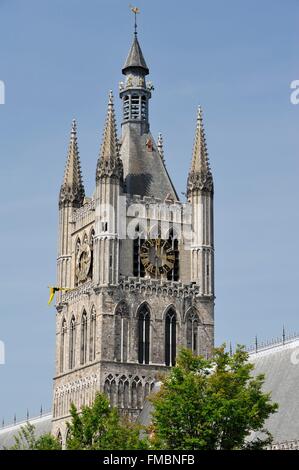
99	427
27	440
208	404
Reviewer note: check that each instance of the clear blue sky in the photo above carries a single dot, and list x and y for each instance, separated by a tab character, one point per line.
59	58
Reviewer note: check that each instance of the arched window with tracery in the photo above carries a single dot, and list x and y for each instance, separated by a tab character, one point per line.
77	249
144	335
67	436
192	332
138	268
91	244
92	335
83	349
174	274
121	333
72	347
62	344
59	438
170	337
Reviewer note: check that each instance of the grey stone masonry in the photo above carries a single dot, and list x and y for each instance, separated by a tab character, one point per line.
140	272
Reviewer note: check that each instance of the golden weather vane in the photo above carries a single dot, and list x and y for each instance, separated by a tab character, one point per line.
135	10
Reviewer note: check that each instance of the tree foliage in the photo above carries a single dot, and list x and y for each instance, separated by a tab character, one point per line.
203	404
208	404
27	440
99	427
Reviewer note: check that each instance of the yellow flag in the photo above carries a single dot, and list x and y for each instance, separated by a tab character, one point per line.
53	290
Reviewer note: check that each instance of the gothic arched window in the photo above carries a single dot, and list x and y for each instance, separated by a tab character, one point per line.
192	332
121	333
83	355
78	245
91	244
144	335
59	438
138	268
170	338
92	335
62	344
174	274
72	349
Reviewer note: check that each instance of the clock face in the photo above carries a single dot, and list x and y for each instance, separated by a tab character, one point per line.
157	256
83	262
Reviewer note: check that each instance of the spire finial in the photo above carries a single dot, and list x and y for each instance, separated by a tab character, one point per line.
199	114
109	162
135	57
72	189
135	10
200	175
74	128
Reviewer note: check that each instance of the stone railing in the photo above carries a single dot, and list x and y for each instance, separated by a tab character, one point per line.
84	210
279	341
285	445
73	294
23	421
159	287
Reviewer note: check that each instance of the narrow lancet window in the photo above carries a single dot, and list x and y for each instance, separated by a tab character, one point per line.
144	335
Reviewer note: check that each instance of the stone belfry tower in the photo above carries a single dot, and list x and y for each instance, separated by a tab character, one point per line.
139	262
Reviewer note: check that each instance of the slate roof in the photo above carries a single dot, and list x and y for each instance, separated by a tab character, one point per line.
42	425
280	364
144	170
135	58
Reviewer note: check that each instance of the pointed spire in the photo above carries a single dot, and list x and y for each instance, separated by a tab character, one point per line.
72	189
109	162
135	58
200	175
160	147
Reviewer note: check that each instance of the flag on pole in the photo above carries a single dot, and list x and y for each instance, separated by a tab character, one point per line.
53	290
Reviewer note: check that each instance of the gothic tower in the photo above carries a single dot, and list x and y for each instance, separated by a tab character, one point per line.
139	262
